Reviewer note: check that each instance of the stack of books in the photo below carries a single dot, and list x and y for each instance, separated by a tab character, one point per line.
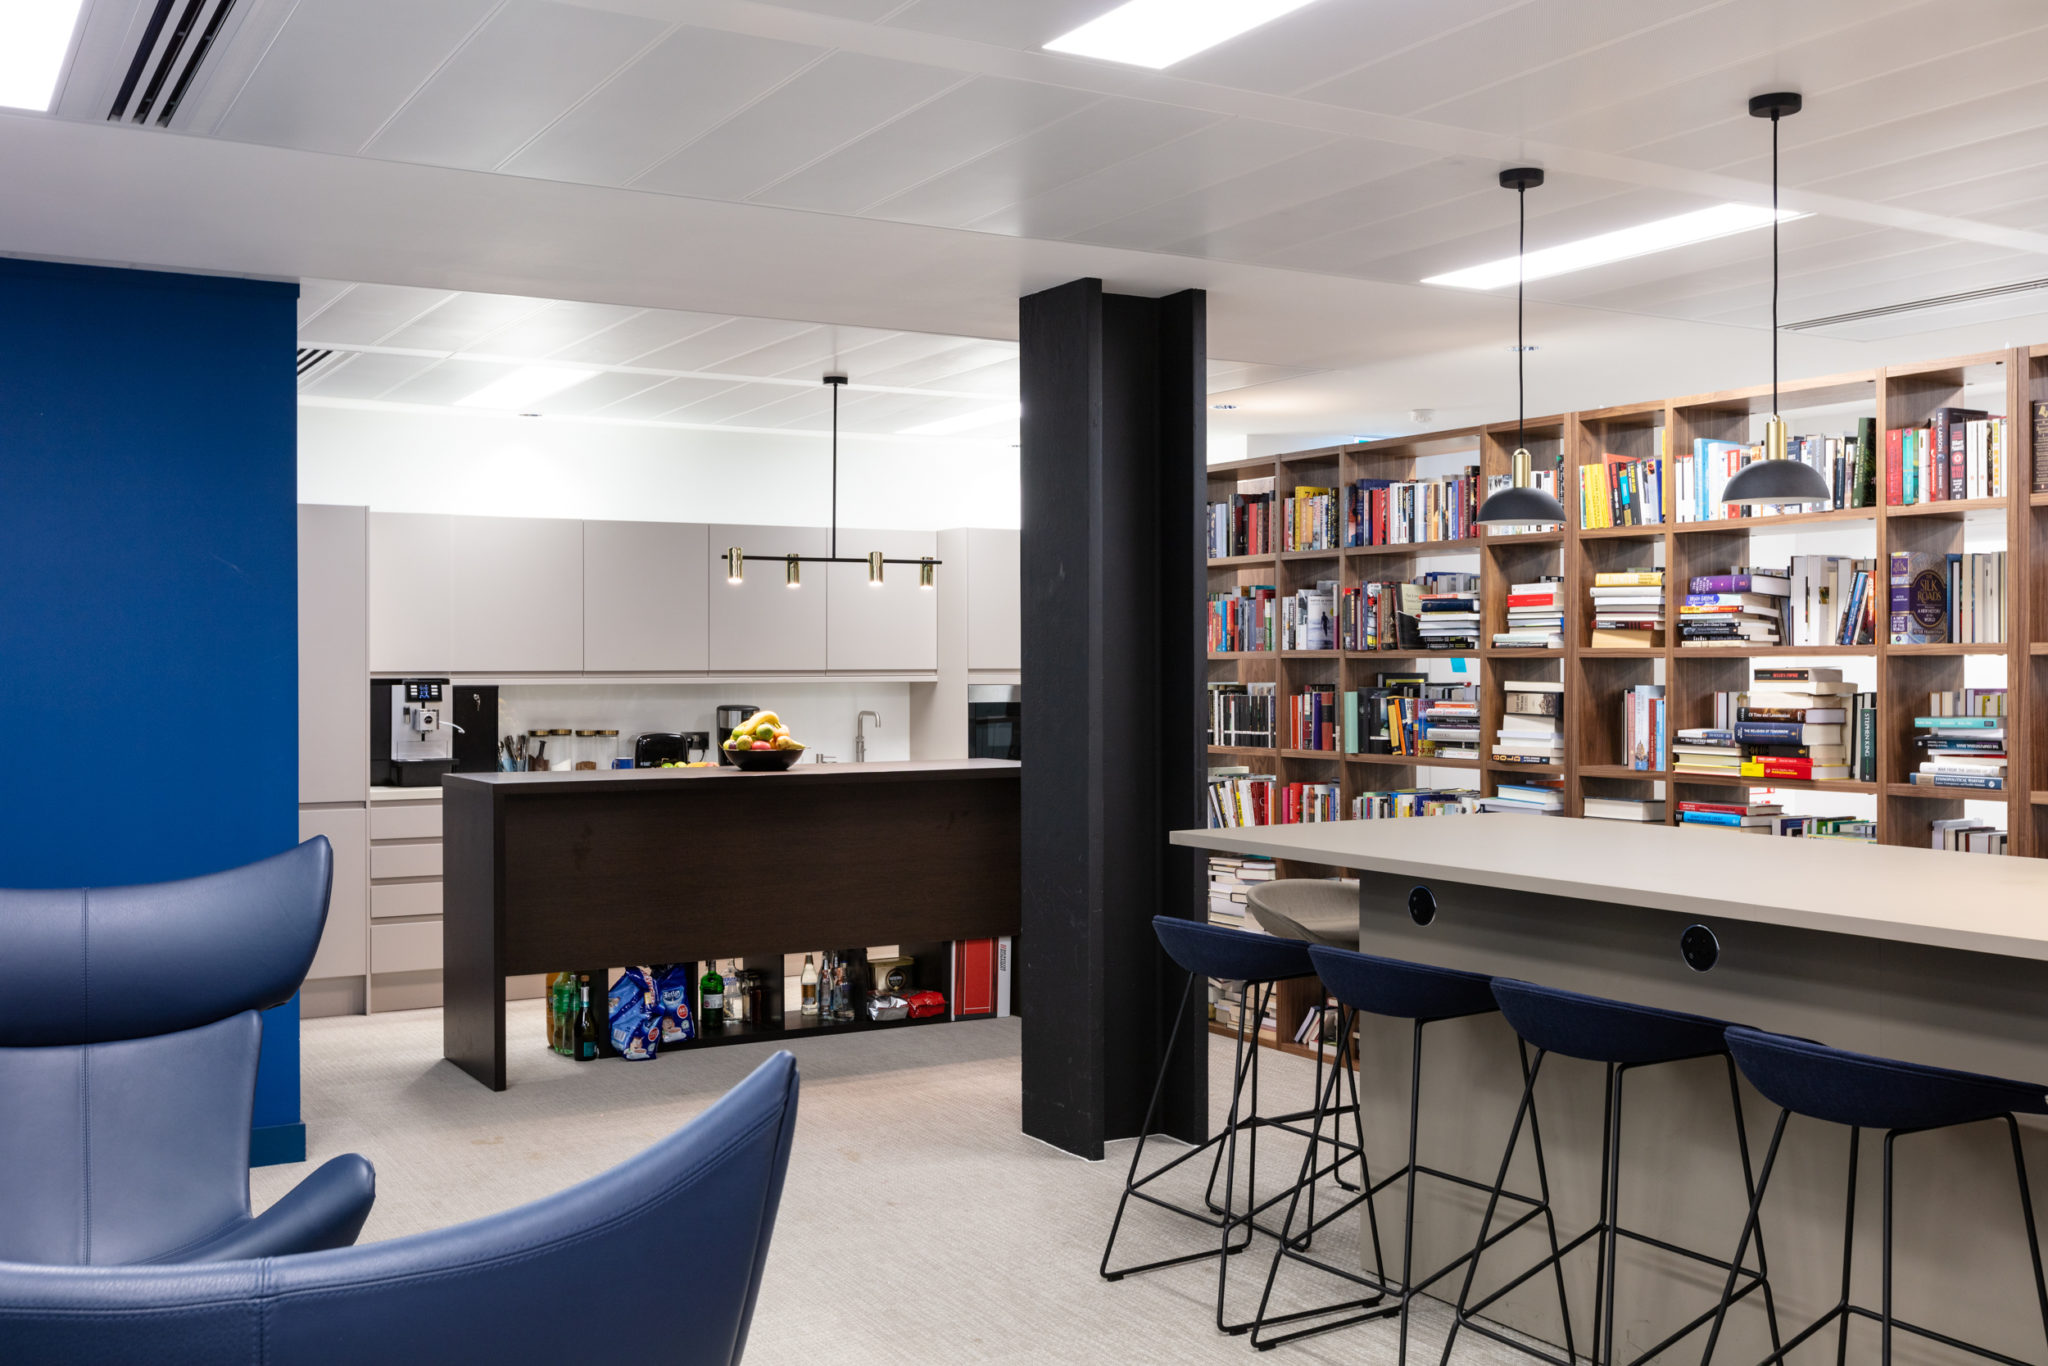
1968	835
1226	1005
1449	619
1956	599
1312	719
1531	724
1243	525
1960	453
1413	801
1628	609
1830	600
1238	797
1545	480
1309	520
1752	818
1535	616
1241	714
1744	606
1793	724
1962	740
1644	723
1231	879
1622	491
1307	619
1401	511
1707	749
1538	798
1450	725
1624	809
1244	618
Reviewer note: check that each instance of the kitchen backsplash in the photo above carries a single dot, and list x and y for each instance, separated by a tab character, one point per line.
821	714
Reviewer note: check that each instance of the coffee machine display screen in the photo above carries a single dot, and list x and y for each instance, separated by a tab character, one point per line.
422	692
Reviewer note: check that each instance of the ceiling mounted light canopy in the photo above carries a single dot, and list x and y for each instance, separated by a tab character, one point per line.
1776	480
792	572
1158	33
1644	239
1521	503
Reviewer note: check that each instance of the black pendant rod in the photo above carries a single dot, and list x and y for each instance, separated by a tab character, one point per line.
1521	251
1774	262
834	382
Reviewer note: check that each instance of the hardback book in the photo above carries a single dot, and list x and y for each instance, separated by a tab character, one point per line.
1623	638
1763	584
1795	769
1787	733
1623	578
1788	673
1919	598
1984	782
1623	809
1812	716
1532	685
1532	703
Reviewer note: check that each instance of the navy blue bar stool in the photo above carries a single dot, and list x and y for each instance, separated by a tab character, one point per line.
1861	1092
1423	995
1622	1037
1259	961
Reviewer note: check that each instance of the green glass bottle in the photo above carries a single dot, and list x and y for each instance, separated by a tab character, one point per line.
586	1032
711	998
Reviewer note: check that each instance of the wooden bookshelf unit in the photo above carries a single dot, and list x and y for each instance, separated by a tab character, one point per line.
1594	679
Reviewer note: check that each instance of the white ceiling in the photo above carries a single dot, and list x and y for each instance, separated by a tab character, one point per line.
861	163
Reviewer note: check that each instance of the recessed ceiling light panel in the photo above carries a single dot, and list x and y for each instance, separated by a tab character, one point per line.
524	387
967	422
1723	220
35	35
1158	33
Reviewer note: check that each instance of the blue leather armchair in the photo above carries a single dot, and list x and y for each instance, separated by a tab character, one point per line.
128	1041
666	1249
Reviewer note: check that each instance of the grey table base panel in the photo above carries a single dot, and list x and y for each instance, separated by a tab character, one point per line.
1960	1250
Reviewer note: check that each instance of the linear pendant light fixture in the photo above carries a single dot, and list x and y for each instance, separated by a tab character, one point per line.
792	572
1775	480
1521	503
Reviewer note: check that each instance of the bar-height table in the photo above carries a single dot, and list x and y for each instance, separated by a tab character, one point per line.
1933	957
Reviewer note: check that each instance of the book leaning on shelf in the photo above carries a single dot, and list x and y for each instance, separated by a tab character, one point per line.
1830	600
1628	608
1622	491
1308	618
1387	616
1644	726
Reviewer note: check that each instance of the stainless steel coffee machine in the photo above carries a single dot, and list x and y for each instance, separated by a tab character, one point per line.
412	738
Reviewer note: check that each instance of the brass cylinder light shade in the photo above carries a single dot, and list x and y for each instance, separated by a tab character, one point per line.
874	569
735	565
792	572
924	572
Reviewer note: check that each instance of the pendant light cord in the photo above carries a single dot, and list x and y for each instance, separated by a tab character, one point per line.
1774	265
835	470
1521	351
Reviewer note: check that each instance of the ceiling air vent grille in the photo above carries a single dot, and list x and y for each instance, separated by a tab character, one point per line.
1967	296
312	358
174	44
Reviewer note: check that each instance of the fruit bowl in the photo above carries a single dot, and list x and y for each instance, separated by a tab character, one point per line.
763	760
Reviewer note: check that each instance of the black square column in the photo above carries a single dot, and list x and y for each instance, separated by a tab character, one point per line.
1115	438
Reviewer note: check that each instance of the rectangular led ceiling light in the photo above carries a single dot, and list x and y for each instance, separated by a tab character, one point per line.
1722	220
967	422
524	387
1158	33
35	35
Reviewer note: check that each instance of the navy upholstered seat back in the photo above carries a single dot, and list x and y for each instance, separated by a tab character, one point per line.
1600	1030
1407	991
128	1044
515	1288
1857	1089
1235	955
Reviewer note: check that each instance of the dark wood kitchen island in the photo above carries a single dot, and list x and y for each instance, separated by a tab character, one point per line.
547	872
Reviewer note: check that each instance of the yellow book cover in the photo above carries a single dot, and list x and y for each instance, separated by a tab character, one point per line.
1304	513
1630	578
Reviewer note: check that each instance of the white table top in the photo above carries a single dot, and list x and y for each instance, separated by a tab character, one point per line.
1977	902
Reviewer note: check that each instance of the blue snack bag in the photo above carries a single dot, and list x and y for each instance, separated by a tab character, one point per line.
635	1022
672	1001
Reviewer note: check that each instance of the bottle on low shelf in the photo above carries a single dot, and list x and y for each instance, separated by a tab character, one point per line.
809	982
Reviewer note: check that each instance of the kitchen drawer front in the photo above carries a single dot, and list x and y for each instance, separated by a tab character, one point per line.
405	821
405	860
414	946
388	899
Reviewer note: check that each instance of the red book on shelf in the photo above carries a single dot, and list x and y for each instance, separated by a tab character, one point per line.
1894	477
1531	599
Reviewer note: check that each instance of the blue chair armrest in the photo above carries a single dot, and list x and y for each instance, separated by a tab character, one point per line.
324	1211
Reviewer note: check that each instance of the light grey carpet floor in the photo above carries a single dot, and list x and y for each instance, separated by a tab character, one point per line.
918	1222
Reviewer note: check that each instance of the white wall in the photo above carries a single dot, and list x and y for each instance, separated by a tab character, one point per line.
559	467
819	714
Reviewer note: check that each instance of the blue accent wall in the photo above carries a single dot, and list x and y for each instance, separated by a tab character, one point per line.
148	601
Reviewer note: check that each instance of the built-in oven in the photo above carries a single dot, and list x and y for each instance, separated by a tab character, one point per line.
994	722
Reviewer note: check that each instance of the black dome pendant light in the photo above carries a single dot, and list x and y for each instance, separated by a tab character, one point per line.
1776	479
1521	502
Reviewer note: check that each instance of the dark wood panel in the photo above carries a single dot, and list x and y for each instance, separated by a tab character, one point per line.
472	982
692	872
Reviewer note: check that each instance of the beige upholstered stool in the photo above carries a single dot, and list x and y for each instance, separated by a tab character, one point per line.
1319	910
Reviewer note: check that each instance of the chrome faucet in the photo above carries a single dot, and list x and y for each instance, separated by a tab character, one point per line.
860	735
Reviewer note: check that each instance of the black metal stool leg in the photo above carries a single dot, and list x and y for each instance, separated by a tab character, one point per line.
1247	1019
1610	1212
1408	1218
1749	1188
1492	1203
1750	1226
1607	1159
1848	1250
2019	1168
1564	1308
1151	1109
1885	1260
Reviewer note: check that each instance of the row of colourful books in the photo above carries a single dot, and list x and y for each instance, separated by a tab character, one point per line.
1400	803
1405	511
1242	714
1242	524
1847	463
1955	598
1246	618
1959	453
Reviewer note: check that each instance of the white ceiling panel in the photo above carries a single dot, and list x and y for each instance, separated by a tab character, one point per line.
892	350
660	398
642	334
464	321
315	295
363	375
756	405
542	331
341	68
448	381
1206	157
1320	44
711	348
691	81
809	354
364	315
957	127
1099	135
867	11
519	73
1005	23
937	371
596	394
827	106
